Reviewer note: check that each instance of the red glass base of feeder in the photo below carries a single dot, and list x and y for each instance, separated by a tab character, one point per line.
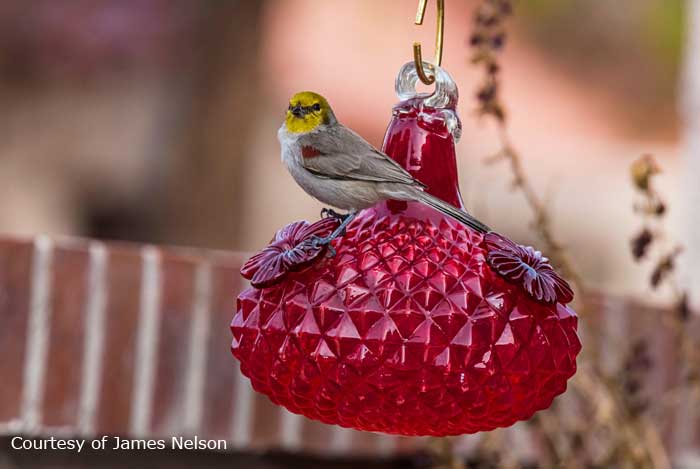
408	331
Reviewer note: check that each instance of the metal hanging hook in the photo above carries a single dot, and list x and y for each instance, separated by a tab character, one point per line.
417	53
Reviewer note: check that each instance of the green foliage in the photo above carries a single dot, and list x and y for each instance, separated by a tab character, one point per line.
629	49
664	29
654	26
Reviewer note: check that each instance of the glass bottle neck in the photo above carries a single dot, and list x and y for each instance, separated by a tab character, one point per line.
419	139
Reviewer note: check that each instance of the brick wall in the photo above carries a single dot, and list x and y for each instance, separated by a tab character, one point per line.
115	338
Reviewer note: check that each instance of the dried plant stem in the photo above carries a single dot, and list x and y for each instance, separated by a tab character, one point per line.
613	401
593	385
542	222
654	243
640	440
555	250
548	427
644	445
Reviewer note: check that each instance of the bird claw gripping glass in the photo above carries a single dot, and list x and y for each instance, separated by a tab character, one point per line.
418	325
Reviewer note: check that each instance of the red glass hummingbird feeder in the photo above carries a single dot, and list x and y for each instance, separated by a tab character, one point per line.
418	325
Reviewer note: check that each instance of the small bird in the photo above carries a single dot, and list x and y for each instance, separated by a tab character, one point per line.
338	167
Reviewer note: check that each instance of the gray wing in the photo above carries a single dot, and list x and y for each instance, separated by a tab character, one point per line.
343	154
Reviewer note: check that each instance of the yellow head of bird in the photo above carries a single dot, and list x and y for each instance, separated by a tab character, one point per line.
308	110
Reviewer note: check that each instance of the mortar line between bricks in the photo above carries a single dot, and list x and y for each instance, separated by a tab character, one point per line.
341	439
242	412
146	356
94	337
466	444
38	334
243	408
290	430
386	444
199	338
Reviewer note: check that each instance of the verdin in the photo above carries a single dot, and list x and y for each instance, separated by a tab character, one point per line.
338	167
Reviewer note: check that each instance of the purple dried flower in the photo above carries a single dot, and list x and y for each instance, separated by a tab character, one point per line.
640	243
292	249
526	267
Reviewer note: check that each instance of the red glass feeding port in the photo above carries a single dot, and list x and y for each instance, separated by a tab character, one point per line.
408	329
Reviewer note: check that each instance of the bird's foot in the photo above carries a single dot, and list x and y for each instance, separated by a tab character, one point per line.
317	241
330	213
339	231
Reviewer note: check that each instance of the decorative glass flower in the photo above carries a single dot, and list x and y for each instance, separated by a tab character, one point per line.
291	250
527	267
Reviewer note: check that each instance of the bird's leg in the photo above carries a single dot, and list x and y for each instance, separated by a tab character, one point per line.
339	231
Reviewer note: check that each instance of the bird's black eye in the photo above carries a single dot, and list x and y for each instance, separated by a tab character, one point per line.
317	107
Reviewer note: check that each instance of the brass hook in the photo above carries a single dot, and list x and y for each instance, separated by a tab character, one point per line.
417	53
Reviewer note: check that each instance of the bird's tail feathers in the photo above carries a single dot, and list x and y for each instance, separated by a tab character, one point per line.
452	211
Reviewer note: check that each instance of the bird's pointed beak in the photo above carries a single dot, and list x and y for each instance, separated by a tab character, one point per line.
297	111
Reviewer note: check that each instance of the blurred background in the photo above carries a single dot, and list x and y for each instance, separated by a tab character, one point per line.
155	120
